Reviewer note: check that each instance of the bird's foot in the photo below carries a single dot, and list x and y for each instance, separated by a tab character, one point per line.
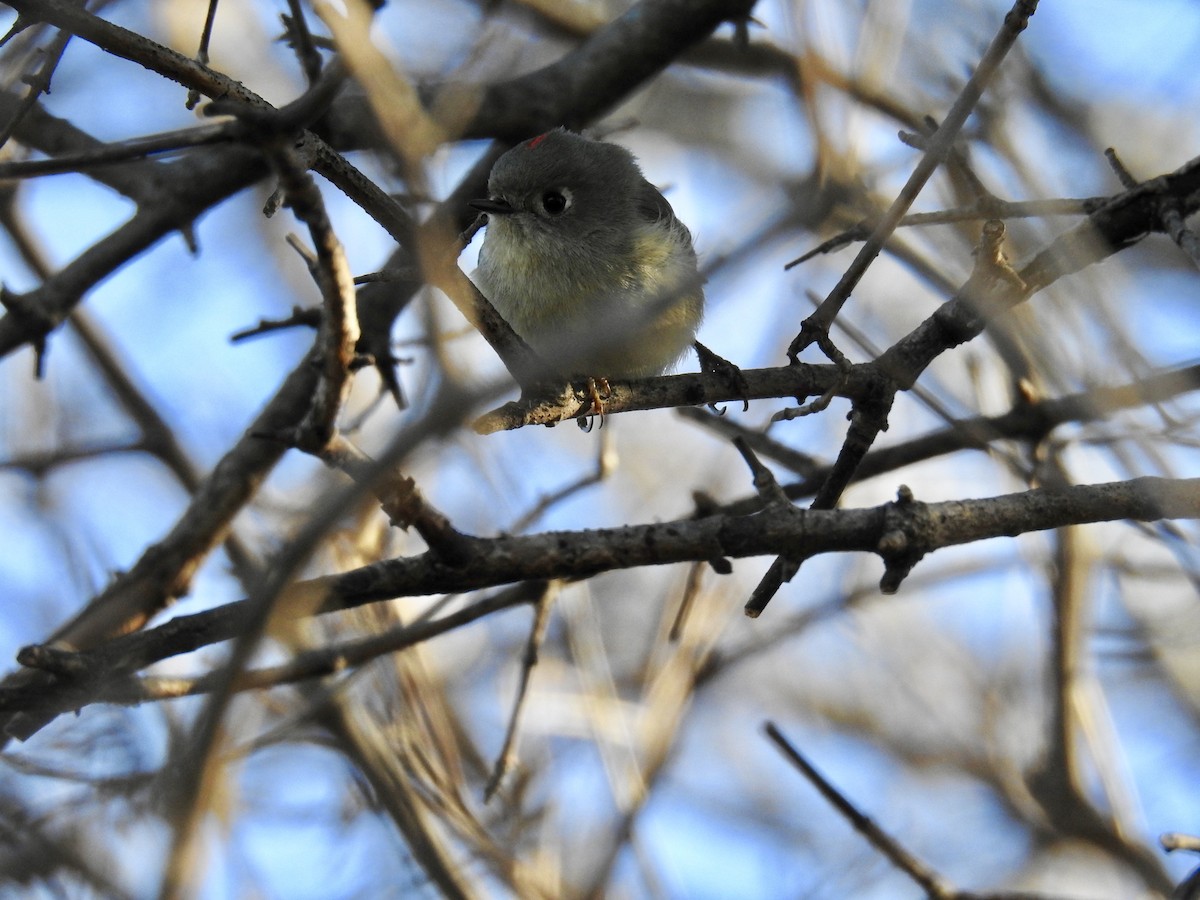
598	390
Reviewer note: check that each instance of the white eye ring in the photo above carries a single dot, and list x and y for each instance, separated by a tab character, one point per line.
556	201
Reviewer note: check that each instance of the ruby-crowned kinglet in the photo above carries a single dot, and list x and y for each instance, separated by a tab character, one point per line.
585	259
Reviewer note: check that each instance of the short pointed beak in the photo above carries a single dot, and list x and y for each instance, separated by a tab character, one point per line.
493	207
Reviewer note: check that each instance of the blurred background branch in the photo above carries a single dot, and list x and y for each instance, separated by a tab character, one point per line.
1018	366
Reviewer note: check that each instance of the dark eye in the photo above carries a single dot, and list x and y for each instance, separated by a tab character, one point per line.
555	203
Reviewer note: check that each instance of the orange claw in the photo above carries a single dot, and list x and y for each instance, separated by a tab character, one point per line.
598	391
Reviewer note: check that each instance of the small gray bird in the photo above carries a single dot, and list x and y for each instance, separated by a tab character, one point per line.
585	259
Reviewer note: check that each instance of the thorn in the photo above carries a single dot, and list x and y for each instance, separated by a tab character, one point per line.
188	233
712	364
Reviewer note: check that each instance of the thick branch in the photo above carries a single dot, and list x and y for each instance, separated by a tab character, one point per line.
900	532
603	70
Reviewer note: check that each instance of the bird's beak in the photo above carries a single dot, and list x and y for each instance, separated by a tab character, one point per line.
493	207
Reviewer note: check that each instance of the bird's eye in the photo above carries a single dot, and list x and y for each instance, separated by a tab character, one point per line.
555	203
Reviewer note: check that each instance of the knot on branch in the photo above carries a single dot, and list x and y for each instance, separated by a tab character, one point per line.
902	540
994	286
34	319
55	660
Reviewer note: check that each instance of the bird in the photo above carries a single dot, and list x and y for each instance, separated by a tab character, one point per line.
587	261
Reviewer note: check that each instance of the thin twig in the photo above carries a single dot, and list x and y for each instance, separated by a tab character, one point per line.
928	880
993	209
507	756
940	145
39	83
